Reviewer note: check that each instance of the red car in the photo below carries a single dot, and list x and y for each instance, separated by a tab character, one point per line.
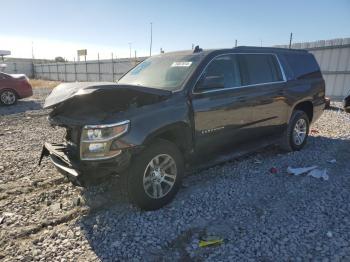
13	87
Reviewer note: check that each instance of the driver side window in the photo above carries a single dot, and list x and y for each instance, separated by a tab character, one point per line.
226	69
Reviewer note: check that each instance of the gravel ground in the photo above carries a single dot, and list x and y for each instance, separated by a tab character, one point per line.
259	215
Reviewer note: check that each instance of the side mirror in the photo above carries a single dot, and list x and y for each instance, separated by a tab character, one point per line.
211	82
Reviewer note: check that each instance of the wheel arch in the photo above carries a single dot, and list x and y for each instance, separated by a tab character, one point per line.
178	133
306	106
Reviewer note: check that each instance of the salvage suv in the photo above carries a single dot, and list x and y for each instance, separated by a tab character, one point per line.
181	110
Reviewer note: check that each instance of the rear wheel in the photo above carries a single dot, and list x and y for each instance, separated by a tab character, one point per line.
296	134
8	97
155	175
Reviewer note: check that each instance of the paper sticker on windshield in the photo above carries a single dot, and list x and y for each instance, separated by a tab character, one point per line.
181	64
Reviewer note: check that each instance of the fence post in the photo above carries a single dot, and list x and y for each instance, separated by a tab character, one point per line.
15	67
49	65
65	72
33	70
115	75
58	75
112	68
99	67
86	71
75	70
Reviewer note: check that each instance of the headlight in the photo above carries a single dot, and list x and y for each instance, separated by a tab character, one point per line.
96	140
104	132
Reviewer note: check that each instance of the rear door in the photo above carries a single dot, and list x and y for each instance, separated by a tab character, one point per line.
221	113
263	76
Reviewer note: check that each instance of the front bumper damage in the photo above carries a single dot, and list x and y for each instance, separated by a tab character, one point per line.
81	173
76	105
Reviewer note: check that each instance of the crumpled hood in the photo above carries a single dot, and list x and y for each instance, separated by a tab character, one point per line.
67	91
90	103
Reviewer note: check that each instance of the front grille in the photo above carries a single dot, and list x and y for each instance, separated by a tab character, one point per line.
73	135
73	140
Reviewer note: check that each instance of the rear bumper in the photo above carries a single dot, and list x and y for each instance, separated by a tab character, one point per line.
24	90
318	110
82	172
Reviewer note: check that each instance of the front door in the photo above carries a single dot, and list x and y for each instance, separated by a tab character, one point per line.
221	109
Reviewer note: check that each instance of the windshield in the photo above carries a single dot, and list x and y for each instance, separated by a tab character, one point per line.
163	72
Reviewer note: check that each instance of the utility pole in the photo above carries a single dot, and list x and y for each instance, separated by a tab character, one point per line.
129	50
236	43
290	40
150	46
32	50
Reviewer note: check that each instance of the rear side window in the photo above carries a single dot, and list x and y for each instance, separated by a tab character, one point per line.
259	69
304	66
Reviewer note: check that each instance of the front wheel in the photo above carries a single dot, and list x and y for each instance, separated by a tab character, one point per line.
8	97
155	175
295	136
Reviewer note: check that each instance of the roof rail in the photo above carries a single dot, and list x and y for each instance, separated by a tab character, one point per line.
270	48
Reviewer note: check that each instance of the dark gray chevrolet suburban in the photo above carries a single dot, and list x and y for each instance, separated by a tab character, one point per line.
178	110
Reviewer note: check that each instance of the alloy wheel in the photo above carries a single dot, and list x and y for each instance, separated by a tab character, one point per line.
8	97
299	132
159	176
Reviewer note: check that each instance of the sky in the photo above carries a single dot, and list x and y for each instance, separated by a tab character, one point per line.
61	27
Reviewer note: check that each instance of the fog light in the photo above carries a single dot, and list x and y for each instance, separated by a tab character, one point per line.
97	147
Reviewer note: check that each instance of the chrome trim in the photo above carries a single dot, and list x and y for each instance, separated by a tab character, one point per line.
104	139
66	169
102	158
107	125
237	87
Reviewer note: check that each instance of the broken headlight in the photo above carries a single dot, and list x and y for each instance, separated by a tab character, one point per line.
96	140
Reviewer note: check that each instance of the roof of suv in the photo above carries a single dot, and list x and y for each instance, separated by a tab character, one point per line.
240	49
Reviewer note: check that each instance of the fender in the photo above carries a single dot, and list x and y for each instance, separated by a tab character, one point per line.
169	117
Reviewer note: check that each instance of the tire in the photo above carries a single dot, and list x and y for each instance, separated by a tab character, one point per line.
144	178
8	97
289	141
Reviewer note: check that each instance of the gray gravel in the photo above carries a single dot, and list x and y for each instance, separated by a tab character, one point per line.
259	215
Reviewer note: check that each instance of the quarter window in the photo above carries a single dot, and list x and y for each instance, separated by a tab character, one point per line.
304	66
259	69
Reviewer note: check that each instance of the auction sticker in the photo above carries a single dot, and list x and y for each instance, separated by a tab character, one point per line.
181	64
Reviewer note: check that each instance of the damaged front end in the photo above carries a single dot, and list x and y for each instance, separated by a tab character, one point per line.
96	117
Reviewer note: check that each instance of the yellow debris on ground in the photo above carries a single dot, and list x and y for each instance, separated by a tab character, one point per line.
211	242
